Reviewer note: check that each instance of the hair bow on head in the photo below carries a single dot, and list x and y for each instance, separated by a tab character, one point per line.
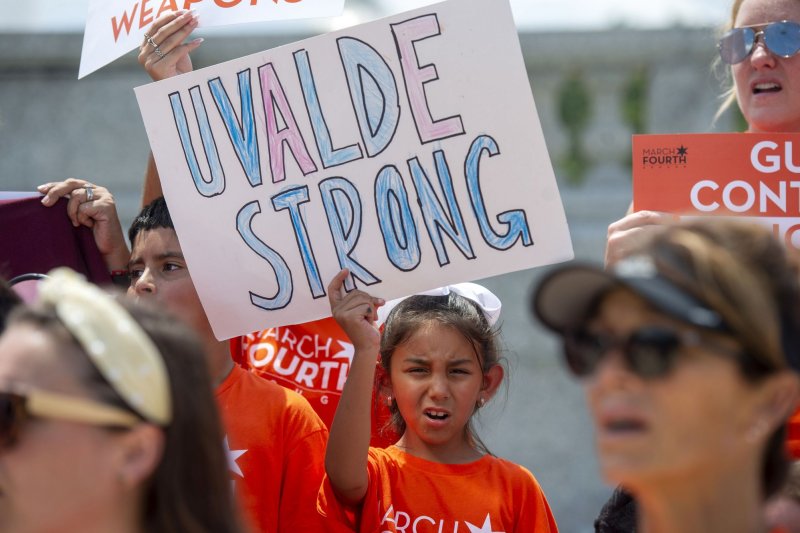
483	297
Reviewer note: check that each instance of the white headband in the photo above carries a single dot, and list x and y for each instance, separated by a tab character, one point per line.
119	348
486	300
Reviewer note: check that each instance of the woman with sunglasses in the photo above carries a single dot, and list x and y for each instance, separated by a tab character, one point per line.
684	348
107	420
760	46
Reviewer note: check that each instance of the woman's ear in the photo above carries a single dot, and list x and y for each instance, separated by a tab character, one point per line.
141	449
778	399
491	381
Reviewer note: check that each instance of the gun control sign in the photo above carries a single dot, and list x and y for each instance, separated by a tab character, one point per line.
407	150
750	175
115	27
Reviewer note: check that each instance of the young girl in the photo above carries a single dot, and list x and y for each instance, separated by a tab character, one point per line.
439	365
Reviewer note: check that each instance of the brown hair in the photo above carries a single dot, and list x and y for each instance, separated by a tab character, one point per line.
8	301
453	311
744	273
189	491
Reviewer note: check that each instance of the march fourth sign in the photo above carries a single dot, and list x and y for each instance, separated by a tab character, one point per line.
407	150
745	175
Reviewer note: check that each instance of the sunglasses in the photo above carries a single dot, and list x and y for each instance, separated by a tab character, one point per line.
781	38
649	352
18	406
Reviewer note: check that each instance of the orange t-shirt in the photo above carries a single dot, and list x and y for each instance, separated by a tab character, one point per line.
407	493
312	359
793	436
275	445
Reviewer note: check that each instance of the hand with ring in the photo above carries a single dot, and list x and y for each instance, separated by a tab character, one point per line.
94	207
163	53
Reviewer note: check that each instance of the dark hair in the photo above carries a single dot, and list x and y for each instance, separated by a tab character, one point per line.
744	273
452	311
152	216
189	491
8	301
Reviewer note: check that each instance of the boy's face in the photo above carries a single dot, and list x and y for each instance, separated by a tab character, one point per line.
158	272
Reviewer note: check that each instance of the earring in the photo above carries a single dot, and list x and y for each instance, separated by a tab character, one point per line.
481	402
389	401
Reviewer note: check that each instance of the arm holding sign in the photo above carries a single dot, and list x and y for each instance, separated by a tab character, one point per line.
348	444
96	210
170	57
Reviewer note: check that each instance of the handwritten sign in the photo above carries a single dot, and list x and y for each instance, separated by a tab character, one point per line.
728	174
115	27
407	150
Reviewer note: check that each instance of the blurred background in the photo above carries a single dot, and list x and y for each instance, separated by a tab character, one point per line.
600	71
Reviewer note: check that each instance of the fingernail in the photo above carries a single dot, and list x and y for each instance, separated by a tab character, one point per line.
198	40
40	187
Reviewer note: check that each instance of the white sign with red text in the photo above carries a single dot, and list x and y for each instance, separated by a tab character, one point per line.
407	150
115	27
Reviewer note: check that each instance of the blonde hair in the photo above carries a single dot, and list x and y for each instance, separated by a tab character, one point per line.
729	94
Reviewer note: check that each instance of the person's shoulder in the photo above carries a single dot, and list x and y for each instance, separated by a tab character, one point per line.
513	472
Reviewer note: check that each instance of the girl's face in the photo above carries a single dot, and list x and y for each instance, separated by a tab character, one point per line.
681	426
768	86
436	380
58	475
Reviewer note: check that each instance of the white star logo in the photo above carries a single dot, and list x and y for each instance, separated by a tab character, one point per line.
232	456
347	352
485	528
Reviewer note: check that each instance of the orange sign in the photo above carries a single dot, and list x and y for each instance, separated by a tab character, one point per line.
730	174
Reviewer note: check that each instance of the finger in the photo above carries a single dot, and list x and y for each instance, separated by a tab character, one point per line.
170	38
61	189
44	187
641	218
336	287
85	214
173	57
160	23
374	304
75	200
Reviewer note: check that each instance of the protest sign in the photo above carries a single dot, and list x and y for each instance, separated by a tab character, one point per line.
407	150
115	27
749	175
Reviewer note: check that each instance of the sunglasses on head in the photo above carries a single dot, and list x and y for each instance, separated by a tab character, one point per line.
781	38
18	406
649	352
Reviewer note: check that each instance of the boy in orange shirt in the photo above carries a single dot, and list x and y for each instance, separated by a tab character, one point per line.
275	441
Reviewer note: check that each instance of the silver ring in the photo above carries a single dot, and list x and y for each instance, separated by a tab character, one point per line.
89	192
159	53
150	41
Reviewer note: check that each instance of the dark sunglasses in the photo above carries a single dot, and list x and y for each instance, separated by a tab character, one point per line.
17	407
649	352
781	38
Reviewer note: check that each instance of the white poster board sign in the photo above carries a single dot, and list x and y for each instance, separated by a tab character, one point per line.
407	150
115	27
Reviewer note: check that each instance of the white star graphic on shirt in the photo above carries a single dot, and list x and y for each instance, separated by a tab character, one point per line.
485	528
232	456
347	352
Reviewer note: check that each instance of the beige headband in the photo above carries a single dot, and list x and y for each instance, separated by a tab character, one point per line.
119	348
